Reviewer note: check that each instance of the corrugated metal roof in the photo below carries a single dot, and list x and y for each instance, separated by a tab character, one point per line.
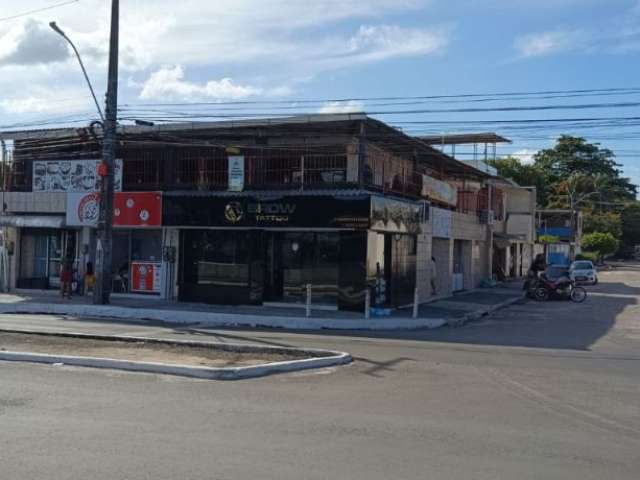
464	138
191	126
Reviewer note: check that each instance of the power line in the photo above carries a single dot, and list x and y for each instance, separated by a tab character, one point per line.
38	10
395	98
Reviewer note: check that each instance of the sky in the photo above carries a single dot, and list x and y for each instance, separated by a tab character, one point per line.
290	50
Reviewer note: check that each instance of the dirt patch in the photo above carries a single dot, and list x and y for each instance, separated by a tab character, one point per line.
139	351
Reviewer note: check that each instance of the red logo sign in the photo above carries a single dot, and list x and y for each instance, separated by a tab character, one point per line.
137	209
89	209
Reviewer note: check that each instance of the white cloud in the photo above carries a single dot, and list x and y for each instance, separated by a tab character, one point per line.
351	106
525	155
372	43
169	83
547	43
32	43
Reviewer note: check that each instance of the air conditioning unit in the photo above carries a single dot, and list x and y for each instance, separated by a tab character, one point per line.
487	217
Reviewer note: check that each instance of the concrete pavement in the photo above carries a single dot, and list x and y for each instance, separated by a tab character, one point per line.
454	310
535	391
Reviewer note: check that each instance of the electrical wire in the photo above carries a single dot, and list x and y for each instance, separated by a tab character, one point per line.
38	10
395	98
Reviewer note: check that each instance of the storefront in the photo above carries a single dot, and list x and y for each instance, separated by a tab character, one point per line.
252	249
41	252
137	237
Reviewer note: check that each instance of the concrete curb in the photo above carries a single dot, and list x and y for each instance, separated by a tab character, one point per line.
329	359
210	319
472	316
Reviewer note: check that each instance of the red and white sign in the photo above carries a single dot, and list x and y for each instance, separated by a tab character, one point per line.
137	209
145	277
131	209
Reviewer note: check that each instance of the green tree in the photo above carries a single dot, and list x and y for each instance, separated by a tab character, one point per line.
523	174
607	222
593	170
630	218
602	243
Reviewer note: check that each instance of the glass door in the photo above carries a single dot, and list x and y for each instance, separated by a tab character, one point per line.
273	277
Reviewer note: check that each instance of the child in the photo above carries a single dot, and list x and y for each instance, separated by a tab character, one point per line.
90	278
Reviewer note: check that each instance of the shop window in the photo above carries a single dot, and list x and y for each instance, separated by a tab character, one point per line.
219	257
130	246
146	245
310	258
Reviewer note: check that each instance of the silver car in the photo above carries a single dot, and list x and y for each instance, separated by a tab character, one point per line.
583	271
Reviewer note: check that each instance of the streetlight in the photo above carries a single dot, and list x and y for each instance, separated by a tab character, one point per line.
102	290
57	29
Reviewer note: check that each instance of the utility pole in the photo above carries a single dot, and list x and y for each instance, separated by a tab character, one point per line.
104	252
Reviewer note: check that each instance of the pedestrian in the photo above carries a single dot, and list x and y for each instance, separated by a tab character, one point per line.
66	277
89	277
434	275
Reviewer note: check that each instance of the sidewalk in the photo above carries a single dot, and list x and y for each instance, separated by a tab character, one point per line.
455	310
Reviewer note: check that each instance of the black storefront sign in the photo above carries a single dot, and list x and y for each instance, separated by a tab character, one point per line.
359	212
351	212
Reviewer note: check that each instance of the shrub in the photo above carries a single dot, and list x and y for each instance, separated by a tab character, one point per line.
592	256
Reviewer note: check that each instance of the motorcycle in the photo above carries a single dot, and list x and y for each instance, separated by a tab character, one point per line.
562	288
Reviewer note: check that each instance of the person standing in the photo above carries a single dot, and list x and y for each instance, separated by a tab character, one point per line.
89	278
66	277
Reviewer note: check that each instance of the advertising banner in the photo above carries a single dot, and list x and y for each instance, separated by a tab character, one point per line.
389	215
131	209
71	176
440	191
236	173
83	209
137	209
441	221
145	277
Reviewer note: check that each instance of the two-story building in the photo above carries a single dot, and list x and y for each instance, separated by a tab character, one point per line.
513	220
251	212
565	228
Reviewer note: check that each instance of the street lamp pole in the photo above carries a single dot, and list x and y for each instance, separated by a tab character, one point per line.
104	253
59	31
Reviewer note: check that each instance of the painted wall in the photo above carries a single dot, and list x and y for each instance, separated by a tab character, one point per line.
34	202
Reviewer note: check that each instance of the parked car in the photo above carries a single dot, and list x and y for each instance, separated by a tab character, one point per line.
583	271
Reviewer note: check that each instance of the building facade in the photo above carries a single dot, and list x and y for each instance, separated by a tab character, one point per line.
254	212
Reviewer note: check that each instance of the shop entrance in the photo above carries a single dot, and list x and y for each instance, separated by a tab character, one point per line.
41	254
273	278
293	260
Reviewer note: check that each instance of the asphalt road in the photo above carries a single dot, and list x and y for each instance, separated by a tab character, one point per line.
537	391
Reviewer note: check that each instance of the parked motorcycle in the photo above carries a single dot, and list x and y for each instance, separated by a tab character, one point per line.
562	288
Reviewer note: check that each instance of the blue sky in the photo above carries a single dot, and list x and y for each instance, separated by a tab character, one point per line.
198	50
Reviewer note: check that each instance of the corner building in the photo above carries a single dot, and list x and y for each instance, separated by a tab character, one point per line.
253	212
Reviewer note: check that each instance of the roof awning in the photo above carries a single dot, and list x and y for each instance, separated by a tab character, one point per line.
504	240
32	221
